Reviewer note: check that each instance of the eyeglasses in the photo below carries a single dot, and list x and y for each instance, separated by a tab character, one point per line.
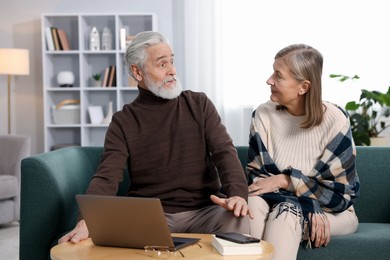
162	252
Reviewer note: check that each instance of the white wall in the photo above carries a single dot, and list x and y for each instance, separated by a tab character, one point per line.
351	34
20	27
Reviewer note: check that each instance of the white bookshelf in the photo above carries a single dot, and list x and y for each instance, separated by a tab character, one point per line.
84	63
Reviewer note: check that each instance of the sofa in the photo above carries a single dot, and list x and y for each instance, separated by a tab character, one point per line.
13	148
51	180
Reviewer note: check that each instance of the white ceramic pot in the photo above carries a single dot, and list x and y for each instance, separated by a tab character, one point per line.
379	141
65	79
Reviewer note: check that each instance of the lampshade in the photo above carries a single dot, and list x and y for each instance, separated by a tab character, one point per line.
14	62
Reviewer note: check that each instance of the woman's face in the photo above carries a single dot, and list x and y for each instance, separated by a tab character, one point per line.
285	89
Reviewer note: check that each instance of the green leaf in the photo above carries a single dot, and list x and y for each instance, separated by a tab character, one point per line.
352	106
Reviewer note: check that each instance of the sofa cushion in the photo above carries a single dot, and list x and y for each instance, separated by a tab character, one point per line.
371	241
8	187
373	204
7	212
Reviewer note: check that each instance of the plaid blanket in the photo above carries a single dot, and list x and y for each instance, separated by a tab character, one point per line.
331	186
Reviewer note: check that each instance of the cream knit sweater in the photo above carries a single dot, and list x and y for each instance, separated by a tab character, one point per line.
289	144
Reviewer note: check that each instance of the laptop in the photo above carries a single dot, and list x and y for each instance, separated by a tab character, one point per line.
128	222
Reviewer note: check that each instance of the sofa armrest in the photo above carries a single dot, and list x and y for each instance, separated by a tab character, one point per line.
49	182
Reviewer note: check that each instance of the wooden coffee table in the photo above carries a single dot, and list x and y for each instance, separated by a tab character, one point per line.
87	250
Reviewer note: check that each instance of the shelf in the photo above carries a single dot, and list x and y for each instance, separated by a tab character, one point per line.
83	62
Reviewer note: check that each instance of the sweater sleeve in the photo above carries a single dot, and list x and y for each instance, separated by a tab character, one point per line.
113	162
223	153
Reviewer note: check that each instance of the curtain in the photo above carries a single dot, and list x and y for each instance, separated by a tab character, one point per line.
198	57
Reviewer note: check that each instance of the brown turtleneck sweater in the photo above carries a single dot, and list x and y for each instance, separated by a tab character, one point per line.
176	150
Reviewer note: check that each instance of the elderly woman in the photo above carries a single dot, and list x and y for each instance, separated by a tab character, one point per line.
301	169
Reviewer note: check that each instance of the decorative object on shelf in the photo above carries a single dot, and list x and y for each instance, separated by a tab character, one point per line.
368	115
122	38
97	80
13	62
65	79
95	114
108	117
67	112
94	40
106	39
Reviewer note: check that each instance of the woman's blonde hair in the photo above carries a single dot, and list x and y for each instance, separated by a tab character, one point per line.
305	63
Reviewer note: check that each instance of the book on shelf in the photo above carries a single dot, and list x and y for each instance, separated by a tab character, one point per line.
49	39
112	77
56	40
63	38
225	247
105	77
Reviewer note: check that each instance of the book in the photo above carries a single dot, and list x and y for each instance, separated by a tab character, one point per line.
225	247
111	77
105	77
49	39
63	38
54	34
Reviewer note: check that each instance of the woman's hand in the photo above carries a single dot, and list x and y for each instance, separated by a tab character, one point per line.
268	184
320	229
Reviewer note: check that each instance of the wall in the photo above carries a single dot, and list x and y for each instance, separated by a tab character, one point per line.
20	27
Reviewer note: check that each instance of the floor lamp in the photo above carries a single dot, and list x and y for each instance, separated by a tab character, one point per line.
13	62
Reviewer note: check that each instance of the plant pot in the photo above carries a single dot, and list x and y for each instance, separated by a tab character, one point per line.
380	141
97	83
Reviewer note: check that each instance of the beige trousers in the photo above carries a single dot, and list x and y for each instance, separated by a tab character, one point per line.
285	231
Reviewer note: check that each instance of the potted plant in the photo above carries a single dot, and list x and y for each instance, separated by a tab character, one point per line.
97	79
368	115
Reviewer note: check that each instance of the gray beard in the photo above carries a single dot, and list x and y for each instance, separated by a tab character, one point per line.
166	93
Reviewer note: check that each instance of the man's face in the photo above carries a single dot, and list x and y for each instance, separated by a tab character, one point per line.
159	73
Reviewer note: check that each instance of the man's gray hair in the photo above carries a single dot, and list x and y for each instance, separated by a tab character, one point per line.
136	52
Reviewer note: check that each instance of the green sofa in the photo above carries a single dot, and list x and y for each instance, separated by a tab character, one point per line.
50	181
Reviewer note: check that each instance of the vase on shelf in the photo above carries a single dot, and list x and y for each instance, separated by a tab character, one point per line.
108	117
65	79
106	39
94	40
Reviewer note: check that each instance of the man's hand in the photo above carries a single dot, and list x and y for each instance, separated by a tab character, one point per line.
320	229
79	233
236	204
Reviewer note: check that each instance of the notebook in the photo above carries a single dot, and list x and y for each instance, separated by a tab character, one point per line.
128	222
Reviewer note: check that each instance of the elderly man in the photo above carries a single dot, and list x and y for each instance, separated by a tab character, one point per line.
175	148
